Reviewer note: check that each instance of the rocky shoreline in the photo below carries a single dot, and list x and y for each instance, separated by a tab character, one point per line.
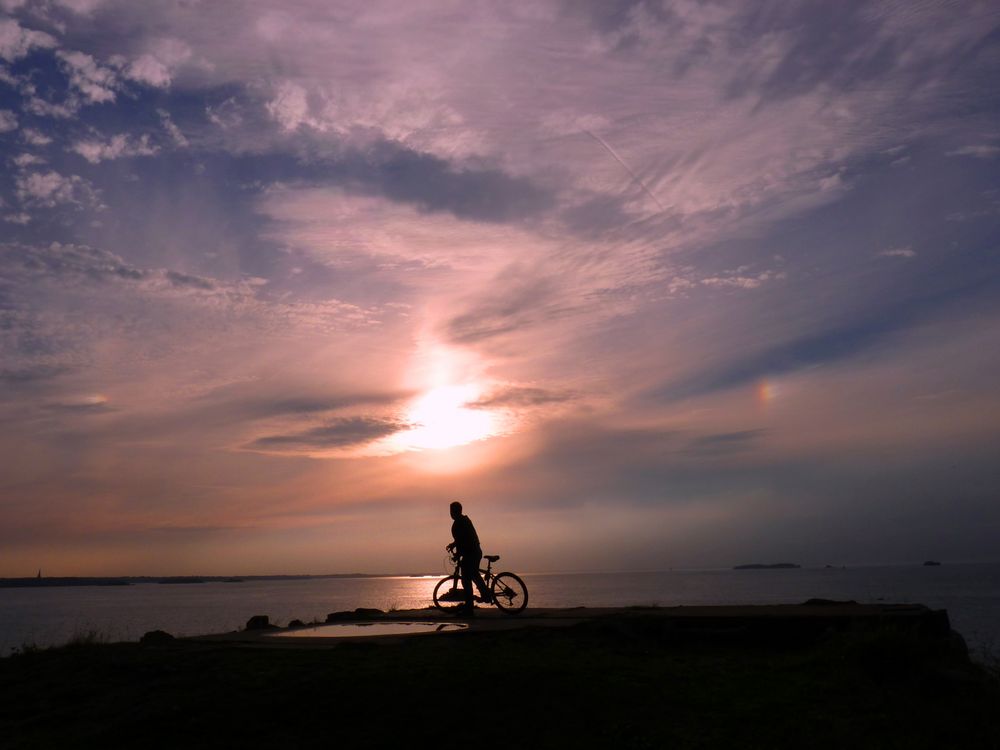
820	674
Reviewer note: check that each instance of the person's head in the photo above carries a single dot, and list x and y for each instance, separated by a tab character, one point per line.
455	509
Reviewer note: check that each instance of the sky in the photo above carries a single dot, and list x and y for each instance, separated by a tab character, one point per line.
645	285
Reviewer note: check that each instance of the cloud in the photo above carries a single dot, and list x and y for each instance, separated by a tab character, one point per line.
724	443
117	147
43	108
18	218
433	184
861	329
225	114
16	42
146	296
289	106
27	160
981	151
340	433
740	280
81	7
519	301
248	402
68	262
172	130
401	175
519	397
35	137
50	189
32	374
7	78
95	403
96	83
897	252
184	279
147	69
8	121
157	65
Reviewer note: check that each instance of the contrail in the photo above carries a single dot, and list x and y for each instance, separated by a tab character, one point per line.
626	167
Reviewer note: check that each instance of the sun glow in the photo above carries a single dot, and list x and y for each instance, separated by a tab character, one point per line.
442	418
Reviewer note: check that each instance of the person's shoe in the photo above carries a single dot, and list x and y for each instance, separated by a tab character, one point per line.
486	598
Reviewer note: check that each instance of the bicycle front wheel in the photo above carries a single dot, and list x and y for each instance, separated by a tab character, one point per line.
509	593
448	592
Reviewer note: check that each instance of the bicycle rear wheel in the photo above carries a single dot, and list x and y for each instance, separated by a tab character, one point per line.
448	592
509	593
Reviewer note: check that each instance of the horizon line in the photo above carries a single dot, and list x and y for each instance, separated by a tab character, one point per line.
359	574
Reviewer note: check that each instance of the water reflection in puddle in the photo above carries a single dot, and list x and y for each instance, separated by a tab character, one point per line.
357	629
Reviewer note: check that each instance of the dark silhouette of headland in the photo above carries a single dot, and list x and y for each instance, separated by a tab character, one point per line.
784	676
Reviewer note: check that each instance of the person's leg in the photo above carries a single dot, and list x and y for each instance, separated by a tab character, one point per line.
477	577
469	569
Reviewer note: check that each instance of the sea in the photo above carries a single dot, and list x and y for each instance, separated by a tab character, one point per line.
50	616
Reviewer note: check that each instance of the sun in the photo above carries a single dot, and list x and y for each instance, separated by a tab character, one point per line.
442	418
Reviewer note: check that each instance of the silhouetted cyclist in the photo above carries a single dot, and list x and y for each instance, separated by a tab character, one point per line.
470	554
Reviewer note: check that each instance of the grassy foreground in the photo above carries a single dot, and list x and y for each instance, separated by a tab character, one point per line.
614	683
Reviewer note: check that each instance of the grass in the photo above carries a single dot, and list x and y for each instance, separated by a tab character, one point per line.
988	655
617	683
87	637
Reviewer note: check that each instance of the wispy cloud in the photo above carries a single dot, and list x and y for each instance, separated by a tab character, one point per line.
340	433
980	151
521	396
897	252
117	147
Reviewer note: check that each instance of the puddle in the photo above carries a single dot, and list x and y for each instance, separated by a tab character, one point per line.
358	629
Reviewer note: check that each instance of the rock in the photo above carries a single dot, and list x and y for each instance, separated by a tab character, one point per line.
958	646
156	638
296	624
260	622
360	612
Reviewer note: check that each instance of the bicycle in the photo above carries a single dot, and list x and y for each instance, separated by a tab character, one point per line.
507	591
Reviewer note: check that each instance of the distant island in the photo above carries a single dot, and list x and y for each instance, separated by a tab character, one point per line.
39	582
931	563
762	566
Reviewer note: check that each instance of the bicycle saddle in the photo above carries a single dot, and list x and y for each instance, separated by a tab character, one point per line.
491	558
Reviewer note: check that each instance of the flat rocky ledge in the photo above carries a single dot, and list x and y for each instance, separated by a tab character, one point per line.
763	623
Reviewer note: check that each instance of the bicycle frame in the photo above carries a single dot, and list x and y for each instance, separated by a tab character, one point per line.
487	573
505	590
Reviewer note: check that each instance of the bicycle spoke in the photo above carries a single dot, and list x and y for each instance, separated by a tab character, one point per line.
510	592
